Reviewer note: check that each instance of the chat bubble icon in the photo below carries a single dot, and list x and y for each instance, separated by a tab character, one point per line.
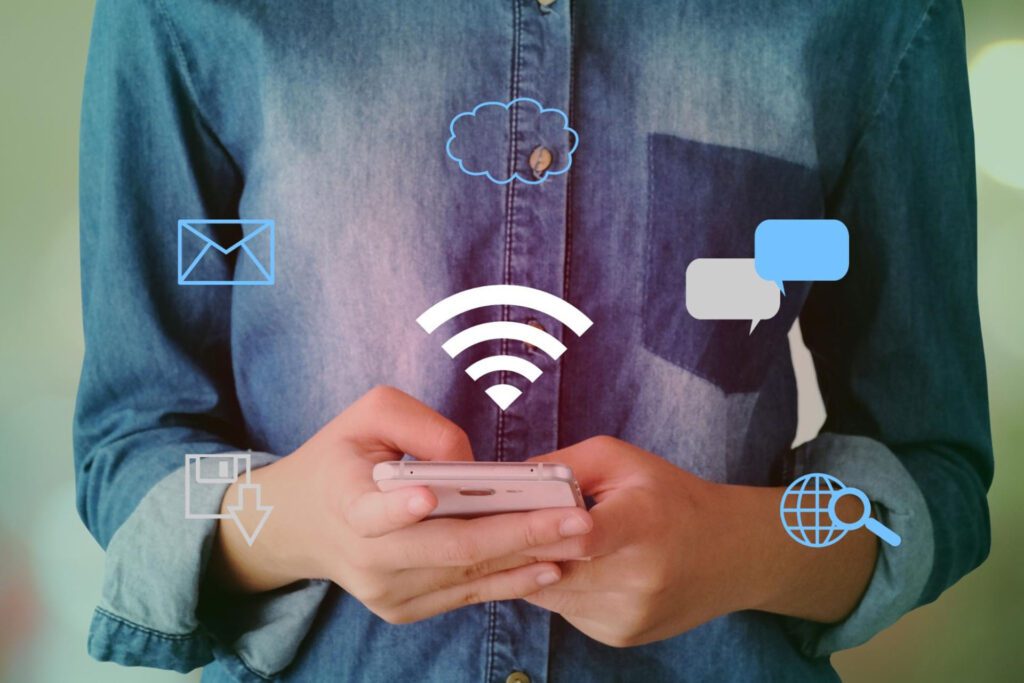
729	289
801	250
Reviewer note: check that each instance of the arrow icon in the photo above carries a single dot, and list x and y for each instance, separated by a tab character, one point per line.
257	506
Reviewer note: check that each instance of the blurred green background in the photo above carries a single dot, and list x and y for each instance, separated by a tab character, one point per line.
50	569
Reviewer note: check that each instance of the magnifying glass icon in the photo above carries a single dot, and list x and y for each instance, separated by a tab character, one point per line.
865	519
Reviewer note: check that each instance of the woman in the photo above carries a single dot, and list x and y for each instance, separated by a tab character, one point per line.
695	122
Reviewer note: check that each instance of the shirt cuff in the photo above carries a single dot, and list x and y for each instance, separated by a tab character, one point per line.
900	572
152	613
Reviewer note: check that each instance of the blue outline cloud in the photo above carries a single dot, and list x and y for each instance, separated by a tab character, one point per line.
507	106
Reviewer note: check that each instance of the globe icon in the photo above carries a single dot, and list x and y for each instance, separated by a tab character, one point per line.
804	510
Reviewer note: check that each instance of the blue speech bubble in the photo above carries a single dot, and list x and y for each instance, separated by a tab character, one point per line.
801	250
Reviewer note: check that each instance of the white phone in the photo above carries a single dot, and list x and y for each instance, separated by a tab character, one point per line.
472	489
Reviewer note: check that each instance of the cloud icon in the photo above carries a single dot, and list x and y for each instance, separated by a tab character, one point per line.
479	141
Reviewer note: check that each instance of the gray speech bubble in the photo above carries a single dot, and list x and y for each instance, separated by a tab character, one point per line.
729	289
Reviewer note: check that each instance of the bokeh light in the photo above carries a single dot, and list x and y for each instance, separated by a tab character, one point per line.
997	92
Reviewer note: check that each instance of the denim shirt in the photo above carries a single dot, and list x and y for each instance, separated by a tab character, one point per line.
696	120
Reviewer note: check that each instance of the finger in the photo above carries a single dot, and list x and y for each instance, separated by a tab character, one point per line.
374	513
383	424
412	583
387	421
566	603
590	576
611	532
612	524
578	549
461	542
507	585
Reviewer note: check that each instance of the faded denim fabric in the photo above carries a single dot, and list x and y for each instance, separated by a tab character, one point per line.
696	120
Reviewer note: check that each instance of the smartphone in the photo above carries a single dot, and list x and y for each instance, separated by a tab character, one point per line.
473	489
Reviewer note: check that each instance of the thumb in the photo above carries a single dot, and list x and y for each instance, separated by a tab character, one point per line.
595	462
386	421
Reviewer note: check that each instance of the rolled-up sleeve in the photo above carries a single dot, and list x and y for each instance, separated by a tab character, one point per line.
156	610
157	379
897	342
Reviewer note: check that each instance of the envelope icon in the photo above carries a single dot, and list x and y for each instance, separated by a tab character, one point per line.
204	257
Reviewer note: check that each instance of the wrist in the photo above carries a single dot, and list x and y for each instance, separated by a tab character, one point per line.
784	577
748	544
234	563
771	569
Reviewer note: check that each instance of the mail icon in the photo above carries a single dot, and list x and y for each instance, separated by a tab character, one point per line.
225	252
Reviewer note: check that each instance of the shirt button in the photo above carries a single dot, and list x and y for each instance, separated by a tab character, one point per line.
530	348
540	161
546	3
517	677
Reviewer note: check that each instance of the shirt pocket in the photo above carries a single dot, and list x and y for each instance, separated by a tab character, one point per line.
706	201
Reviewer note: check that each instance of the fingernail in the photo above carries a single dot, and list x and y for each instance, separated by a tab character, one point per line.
573	526
418	506
547	578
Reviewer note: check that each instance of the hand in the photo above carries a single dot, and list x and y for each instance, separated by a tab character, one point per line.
330	520
671	551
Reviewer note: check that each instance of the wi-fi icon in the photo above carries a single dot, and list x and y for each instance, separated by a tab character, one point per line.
504	295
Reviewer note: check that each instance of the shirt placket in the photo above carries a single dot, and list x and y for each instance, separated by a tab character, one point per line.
535	256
